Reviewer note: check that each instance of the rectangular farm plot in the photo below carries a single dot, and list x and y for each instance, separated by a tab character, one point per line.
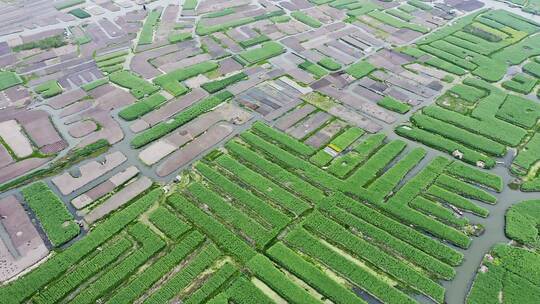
266	51
120	198
14	138
8	80
53	215
104	188
236	201
171	82
22	246
67	183
136	85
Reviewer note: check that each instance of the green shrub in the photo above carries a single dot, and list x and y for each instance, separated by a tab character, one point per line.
179	37
392	238
520	83
329	64
283	139
265	270
190	4
218	232
79	13
202	29
482	33
53	215
465	189
179	119
375	164
211	285
341	237
264	185
136	85
94	84
344	164
456	201
309	171
169	223
230	215
392	104
513	274
445	66
221	13
519	52
254	41
218	85
110	56
519	111
48	89
44	44
275	217
280	175
419	4
397	205
395	22
150	244
280	19
312	68
386	183
58	264
142	282
185	276
467	93
171	82
497	130
443	144
529	154
346	138
532	68
475	175
350	211
306	19
312	275
266	51
321	158
111	62
438	211
531	185
142	107
457	134
449	57
147	32
71	280
522	222
400	14
8	80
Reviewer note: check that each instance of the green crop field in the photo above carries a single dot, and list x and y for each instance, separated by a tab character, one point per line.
147	33
48	89
8	80
222	224
266	51
302	17
512	270
270	152
55	219
136	85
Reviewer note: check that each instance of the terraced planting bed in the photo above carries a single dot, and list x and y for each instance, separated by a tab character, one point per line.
511	270
223	224
482	132
320	151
